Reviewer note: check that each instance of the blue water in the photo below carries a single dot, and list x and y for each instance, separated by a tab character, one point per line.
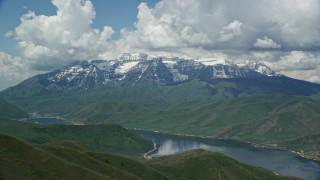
281	162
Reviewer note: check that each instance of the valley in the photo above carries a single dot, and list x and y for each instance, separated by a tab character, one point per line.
60	155
198	108
70	161
160	89
249	103
279	161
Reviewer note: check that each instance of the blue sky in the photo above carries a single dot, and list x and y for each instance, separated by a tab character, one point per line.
115	13
37	36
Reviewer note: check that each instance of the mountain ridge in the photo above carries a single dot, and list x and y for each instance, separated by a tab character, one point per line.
11	111
106	137
157	71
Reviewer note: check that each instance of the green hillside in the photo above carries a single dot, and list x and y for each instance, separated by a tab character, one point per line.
110	165
263	110
201	164
308	146
109	137
10	111
66	101
257	118
290	119
234	108
20	160
32	97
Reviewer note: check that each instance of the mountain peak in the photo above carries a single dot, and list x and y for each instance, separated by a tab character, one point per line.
139	68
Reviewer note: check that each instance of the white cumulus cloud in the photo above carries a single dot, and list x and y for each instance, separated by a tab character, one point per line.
182	27
50	41
161	28
298	64
231	31
178	25
298	60
12	71
266	43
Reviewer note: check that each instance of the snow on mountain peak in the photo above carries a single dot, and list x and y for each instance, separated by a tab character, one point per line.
162	70
125	67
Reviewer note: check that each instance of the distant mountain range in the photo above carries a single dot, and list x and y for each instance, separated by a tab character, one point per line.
222	77
156	71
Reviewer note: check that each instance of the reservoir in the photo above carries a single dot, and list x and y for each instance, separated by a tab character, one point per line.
279	161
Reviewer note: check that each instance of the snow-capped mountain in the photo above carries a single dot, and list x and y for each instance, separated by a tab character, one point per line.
136	69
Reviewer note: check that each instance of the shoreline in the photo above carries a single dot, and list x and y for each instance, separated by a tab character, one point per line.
148	154
31	119
286	149
263	146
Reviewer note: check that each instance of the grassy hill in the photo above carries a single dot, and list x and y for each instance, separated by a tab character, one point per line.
201	164
252	109
66	101
290	119
110	137
32	97
10	111
257	118
20	160
308	146
111	165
